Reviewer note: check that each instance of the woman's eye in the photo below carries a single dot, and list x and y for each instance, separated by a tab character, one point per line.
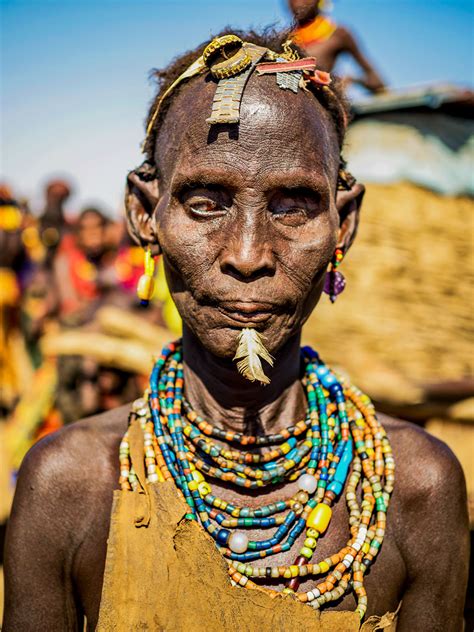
290	216
206	202
202	207
289	210
294	208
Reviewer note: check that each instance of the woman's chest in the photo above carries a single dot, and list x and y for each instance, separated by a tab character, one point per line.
383	582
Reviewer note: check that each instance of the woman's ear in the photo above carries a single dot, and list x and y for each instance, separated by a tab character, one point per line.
141	198
348	203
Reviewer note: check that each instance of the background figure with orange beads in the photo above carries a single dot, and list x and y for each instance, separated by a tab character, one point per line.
321	37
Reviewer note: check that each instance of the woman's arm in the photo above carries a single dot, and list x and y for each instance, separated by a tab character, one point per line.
434	539
38	586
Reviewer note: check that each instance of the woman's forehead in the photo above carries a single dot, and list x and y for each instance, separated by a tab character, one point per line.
278	130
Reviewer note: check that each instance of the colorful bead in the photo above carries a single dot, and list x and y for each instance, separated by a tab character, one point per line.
307	483
307	552
238	542
145	287
204	488
319	518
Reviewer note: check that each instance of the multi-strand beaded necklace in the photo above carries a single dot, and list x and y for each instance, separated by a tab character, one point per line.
339	444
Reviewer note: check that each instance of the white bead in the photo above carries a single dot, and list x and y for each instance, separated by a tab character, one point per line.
238	542
307	483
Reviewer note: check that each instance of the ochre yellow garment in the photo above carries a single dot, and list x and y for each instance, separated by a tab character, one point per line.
319	30
165	573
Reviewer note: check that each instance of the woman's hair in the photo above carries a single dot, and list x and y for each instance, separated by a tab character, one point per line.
92	210
331	98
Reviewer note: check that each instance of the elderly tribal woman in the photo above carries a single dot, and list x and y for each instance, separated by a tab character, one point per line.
259	489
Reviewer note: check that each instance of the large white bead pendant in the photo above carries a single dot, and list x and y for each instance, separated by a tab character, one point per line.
238	542
307	483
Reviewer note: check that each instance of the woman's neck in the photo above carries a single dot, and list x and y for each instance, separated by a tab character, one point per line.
216	390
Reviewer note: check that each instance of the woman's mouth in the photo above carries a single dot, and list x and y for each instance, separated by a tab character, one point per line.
247	313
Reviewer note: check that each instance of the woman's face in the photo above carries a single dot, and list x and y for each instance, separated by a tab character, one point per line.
246	218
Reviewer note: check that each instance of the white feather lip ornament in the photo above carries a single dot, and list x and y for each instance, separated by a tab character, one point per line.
250	349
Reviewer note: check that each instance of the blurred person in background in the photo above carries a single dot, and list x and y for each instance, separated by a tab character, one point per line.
52	221
95	265
321	37
21	259
21	254
13	258
81	259
53	288
89	273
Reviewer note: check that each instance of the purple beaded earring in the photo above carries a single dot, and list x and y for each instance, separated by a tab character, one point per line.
335	282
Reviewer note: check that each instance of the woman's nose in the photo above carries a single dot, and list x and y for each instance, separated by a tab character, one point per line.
248	255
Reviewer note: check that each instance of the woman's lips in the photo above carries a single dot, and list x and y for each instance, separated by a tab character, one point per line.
247	313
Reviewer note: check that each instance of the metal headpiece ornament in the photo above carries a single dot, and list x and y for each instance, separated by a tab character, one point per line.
231	61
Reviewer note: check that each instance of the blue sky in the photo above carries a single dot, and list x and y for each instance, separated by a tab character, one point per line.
75	82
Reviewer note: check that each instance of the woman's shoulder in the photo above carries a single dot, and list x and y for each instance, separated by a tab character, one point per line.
423	463
63	498
79	456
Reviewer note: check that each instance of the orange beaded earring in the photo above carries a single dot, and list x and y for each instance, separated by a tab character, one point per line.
146	283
